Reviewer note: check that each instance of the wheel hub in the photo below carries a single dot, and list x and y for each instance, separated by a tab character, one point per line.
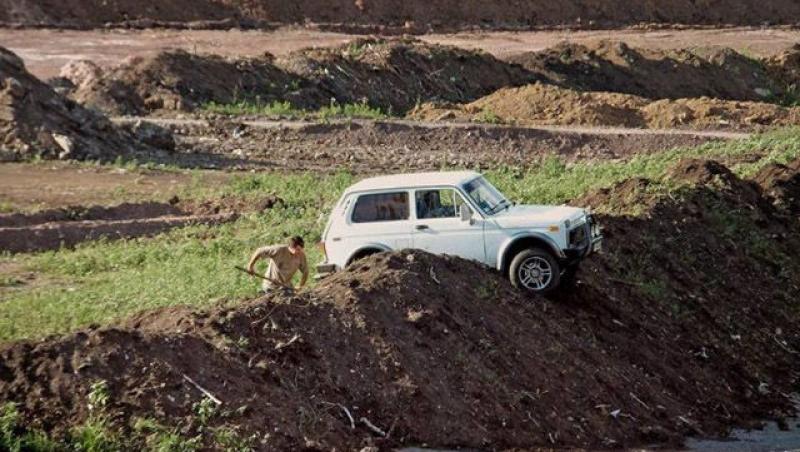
535	273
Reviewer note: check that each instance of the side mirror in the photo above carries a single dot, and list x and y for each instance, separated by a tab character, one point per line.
466	213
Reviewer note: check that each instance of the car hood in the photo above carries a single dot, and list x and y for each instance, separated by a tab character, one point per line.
525	216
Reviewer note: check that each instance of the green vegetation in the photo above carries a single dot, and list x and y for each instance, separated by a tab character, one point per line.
489	117
98	433
286	110
102	281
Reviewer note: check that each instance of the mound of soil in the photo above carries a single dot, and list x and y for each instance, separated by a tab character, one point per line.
545	104
396	74
176	81
389	74
37	121
442	14
655	74
658	339
781	183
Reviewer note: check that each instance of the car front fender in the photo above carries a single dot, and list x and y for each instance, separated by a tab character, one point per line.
542	238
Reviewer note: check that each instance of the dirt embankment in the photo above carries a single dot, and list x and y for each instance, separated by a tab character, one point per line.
659	339
69	226
37	121
613	66
611	84
544	104
411	15
390	74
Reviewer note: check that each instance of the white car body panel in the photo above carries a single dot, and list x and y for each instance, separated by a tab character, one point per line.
483	238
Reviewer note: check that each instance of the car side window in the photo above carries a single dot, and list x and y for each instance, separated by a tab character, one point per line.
438	203
381	207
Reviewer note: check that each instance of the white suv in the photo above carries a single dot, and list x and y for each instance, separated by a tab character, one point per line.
462	214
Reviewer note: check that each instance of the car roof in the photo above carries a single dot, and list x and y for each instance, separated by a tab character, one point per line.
412	180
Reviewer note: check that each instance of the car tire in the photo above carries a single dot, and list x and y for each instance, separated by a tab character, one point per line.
535	270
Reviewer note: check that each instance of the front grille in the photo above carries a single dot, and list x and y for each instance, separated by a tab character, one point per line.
578	237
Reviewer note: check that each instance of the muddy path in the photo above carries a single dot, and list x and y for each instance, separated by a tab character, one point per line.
365	146
46	51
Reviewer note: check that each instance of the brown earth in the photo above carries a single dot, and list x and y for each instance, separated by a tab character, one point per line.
544	104
413	15
46	51
69	226
390	74
658	74
781	184
658	339
175	81
386	146
36	121
27	187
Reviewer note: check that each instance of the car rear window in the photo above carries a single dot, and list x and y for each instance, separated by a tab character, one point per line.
381	207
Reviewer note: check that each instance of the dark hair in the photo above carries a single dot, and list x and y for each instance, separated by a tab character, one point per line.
297	241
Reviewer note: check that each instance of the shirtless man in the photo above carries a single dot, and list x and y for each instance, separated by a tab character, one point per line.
284	262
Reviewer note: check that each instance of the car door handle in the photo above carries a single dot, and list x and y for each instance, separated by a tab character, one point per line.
421	227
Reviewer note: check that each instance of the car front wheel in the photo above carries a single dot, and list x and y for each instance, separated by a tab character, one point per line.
535	270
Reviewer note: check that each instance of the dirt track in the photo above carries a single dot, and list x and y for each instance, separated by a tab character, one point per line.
46	51
386	146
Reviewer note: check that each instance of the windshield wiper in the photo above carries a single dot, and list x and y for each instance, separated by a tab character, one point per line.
502	203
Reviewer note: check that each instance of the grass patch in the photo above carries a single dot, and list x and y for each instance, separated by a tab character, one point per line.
286	110
102	281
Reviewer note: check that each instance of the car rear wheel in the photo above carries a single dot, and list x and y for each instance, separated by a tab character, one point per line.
535	270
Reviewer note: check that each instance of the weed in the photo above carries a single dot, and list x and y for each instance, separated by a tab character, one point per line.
7	207
359	110
488	116
98	398
204	411
159	438
228	439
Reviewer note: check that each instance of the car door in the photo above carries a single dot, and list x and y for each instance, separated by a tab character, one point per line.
381	219
438	227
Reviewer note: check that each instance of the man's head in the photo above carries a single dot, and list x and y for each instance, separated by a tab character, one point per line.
296	244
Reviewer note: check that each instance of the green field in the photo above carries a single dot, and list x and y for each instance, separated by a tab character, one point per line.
102	281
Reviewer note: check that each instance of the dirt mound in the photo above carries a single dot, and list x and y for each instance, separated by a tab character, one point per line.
36	121
396	74
177	81
781	183
390	74
658	339
69	226
655	74
413	15
544	104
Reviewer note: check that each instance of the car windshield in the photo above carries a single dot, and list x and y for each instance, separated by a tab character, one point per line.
488	198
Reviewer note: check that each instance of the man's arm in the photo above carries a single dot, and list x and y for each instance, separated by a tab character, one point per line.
304	269
267	251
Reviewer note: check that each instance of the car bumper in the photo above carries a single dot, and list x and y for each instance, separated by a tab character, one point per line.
593	244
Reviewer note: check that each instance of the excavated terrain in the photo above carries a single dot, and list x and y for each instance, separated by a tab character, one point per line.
410	15
389	74
35	121
658	339
544	104
386	146
613	66
54	229
607	84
